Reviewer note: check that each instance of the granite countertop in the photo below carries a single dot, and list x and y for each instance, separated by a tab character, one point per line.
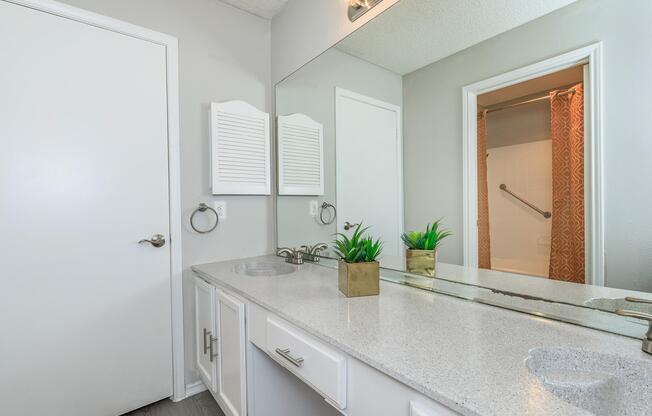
465	355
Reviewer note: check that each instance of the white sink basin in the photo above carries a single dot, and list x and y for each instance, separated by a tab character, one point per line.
264	268
603	384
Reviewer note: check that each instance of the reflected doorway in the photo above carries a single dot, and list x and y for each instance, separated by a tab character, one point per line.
531	181
568	85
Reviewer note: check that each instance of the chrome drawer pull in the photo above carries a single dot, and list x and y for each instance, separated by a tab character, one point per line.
206	333
297	362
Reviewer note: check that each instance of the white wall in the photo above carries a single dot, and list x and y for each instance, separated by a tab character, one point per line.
522	124
306	28
432	105
311	91
224	54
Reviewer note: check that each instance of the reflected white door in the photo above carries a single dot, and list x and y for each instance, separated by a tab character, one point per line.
84	309
369	169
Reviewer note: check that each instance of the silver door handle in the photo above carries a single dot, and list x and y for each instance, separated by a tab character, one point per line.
297	362
157	240
348	226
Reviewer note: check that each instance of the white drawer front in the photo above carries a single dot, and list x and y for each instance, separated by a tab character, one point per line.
312	361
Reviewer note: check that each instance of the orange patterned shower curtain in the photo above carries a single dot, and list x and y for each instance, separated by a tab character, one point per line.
484	244
567	131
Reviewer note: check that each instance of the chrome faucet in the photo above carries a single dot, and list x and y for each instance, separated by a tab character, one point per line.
291	255
647	341
311	253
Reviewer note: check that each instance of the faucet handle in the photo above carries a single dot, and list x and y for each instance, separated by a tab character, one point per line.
638	300
635	314
318	247
647	341
284	251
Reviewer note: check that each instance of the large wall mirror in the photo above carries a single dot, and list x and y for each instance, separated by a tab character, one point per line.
503	150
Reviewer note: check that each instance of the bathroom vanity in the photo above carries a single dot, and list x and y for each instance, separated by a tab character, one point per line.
275	338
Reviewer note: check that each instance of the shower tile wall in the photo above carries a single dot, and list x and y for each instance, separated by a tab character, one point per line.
520	237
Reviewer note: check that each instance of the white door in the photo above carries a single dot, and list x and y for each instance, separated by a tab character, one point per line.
231	368
84	308
369	169
205	329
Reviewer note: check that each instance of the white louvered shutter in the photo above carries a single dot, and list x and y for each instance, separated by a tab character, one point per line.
300	155
240	149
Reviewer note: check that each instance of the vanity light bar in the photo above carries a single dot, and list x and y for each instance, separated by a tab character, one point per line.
359	7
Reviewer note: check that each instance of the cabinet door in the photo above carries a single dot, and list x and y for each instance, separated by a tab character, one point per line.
205	333
231	368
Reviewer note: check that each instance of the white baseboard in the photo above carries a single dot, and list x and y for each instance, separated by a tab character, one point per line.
194	388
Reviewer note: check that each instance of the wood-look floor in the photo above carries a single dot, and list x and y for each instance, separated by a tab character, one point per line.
201	404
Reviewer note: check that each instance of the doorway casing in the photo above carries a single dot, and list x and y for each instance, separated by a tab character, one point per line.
591	57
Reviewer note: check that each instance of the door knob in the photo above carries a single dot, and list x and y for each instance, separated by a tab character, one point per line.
348	226
157	240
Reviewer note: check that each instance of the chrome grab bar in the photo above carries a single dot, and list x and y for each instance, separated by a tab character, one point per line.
297	362
546	214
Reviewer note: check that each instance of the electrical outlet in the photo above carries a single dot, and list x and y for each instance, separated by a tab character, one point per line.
220	208
314	204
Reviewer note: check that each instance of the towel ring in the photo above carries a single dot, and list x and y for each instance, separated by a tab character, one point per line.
203	208
324	208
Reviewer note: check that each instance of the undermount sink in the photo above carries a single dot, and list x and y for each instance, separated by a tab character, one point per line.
603	384
264	268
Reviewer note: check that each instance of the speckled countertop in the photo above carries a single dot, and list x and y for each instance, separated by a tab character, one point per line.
465	355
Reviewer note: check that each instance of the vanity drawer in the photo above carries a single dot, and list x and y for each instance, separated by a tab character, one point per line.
315	363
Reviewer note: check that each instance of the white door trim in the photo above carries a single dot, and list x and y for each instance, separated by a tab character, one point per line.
174	167
343	93
592	56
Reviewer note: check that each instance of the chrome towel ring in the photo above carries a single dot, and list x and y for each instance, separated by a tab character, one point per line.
325	208
203	208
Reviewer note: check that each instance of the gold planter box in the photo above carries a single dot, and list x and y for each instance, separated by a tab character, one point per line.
423	262
359	279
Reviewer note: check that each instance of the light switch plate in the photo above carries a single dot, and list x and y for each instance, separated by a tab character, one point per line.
220	208
314	204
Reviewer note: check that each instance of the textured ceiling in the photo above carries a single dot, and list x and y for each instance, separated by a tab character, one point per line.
415	33
262	8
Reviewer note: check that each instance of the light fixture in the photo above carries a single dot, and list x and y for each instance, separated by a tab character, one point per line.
359	7
359	3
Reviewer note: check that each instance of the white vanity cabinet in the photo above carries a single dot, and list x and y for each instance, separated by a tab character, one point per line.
233	357
231	353
350	386
221	346
205	330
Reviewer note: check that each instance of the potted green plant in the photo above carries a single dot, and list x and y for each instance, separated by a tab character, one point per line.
421	253
358	270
